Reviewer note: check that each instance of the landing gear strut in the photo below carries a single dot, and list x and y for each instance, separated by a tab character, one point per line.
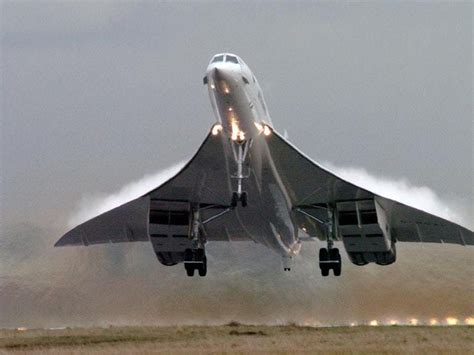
240	150
329	258
195	257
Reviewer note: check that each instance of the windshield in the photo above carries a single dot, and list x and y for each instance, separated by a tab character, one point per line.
218	58
231	59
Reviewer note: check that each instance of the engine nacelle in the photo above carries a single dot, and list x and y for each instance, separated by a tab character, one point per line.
169	228
363	227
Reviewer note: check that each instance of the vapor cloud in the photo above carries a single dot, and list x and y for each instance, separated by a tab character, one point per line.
421	197
93	205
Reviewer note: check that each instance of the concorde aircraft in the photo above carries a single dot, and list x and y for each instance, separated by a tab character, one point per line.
247	182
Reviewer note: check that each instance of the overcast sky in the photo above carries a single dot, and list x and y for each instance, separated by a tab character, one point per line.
98	94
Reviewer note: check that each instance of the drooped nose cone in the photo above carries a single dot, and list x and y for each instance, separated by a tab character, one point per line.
217	74
224	71
222	78
223	74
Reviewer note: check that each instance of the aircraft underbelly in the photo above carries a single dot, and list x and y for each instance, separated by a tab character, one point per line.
270	226
267	218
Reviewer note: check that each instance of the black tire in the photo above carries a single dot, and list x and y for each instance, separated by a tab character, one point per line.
188	255
385	258
358	259
337	268
334	254
200	255
203	268
323	254
189	270
243	199
323	258
235	199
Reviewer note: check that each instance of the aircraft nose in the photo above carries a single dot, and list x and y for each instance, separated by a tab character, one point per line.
222	79
223	73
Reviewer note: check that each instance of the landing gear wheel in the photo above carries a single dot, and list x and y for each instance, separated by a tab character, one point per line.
189	270
333	254
323	255
199	255
338	265
243	199
335	259
188	255
358	259
330	259
202	268
195	259
235	199
323	261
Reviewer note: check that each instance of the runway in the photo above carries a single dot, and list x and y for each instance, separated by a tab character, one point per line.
237	338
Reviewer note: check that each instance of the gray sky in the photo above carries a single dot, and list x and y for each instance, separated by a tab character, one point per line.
97	94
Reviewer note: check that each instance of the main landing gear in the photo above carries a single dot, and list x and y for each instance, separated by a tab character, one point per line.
195	257
329	258
240	150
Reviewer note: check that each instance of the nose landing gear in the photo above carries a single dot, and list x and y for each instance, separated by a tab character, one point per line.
236	198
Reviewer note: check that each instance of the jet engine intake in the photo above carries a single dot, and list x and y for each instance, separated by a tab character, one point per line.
363	227
169	229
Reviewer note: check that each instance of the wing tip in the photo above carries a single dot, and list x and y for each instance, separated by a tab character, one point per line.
69	239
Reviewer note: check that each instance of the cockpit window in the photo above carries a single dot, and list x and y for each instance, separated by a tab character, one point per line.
218	58
232	59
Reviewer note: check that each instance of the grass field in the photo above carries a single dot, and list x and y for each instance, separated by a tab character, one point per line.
236	338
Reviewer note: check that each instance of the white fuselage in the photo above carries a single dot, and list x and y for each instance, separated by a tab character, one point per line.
243	118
